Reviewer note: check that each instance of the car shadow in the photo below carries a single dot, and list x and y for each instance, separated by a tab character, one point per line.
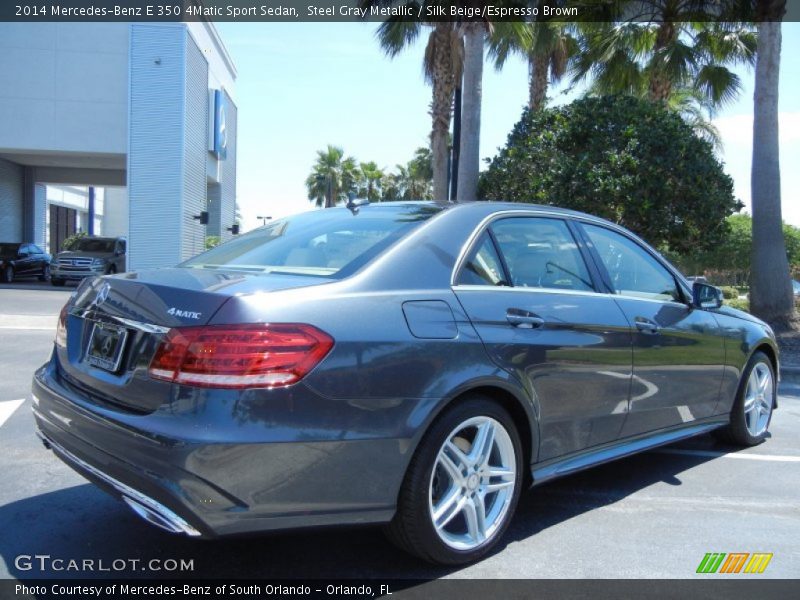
83	522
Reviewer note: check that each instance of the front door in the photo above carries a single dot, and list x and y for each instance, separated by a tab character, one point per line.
678	350
529	294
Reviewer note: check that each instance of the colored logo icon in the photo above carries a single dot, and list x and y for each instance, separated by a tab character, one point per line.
734	562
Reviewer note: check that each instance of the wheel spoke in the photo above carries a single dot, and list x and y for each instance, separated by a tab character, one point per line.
497	485
475	515
448	507
482	444
455	468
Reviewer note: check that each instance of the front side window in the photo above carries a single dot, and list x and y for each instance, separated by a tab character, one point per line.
541	253
633	271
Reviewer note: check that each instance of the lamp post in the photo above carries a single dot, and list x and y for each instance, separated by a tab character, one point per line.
264	220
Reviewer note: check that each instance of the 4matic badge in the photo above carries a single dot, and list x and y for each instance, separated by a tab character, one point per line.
186	314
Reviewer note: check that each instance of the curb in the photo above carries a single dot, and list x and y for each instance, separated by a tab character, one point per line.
790	374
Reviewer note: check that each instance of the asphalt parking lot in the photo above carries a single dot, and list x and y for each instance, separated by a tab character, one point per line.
654	515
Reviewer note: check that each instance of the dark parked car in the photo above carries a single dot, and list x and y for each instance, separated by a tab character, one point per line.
23	260
90	256
409	364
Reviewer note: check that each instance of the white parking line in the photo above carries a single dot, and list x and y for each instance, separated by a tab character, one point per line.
7	409
41	322
741	455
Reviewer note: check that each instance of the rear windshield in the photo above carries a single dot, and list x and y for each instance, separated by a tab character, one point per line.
94	245
332	242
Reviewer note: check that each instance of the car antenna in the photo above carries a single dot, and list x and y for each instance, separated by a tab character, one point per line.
354	203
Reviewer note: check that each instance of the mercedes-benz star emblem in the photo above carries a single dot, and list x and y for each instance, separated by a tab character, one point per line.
102	295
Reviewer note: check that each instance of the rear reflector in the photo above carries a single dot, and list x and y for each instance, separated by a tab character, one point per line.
240	356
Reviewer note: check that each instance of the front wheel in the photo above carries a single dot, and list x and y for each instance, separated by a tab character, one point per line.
462	486
752	409
45	273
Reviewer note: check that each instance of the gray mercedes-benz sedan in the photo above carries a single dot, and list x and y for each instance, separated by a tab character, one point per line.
408	364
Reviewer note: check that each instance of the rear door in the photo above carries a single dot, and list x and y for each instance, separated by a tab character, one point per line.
529	291
678	351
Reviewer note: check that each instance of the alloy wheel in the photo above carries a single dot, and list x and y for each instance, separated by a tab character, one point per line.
472	483
758	399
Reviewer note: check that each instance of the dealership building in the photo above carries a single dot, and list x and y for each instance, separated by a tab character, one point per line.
120	129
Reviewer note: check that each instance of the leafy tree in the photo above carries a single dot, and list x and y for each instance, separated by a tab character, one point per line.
332	177
371	177
625	159
771	291
675	52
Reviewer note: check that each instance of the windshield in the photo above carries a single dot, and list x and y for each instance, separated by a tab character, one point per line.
8	249
94	245
331	242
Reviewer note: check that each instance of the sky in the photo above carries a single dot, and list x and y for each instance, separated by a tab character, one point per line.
301	86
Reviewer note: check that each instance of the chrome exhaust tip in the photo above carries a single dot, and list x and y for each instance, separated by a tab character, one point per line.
146	507
153	517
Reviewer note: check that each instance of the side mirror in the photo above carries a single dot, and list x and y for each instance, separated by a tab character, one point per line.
23	254
706	296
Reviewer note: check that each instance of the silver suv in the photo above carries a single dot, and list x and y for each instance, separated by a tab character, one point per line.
89	256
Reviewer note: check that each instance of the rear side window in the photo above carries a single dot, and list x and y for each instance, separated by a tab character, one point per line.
541	253
483	266
633	271
331	242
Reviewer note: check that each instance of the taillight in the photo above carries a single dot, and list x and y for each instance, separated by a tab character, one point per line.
61	328
240	356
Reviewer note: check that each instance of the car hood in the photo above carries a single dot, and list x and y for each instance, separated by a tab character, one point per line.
740	314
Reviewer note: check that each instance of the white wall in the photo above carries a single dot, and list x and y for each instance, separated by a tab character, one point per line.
64	86
115	217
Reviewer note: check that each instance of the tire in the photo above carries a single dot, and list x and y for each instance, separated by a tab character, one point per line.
58	282
752	409
7	275
436	479
45	273
112	270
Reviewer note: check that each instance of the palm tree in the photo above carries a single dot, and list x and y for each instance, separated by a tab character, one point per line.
666	54
770	287
442	67
331	177
471	96
548	46
371	181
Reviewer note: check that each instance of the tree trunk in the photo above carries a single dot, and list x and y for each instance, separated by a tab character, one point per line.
660	85
537	84
469	153
771	295
443	82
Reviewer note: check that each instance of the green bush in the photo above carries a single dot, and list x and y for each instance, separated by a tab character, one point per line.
628	160
742	304
729	292
212	241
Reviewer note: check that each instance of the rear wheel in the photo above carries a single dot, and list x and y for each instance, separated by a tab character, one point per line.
462	486
8	274
752	410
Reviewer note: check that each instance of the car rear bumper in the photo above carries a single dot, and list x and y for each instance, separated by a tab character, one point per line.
186	485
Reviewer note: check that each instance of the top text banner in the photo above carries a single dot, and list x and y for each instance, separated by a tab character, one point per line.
429	11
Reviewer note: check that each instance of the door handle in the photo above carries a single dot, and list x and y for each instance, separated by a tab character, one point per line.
646	325
523	318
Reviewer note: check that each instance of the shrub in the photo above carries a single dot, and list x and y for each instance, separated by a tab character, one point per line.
628	160
212	241
729	292
742	304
